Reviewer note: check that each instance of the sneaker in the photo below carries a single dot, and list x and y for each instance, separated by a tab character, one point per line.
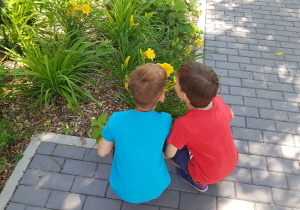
188	179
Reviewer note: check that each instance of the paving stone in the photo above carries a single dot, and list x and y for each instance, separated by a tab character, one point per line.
80	168
67	151
45	162
31	195
56	181
190	201
111	194
253	193
278	138
238	122
261	61
230	81
285	106
294	117
106	204
35	208
46	148
210	63
178	184
240	74
245	111
227	51
292	97
222	188
229	99
254	84
131	206
269	179
273	114
171	166
293	182
260	124
15	206
221	72
169	198
241	146
276	70
283	165
232	204
286	197
227	65
263	149
65	200
103	171
238	59
265	77
286	64
261	206
242	91
297	140
31	177
247	134
260	48
240	175
252	161
94	157
290	152
297	88
89	186
291	128
269	94
217	57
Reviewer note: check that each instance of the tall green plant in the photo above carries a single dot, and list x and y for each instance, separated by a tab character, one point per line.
18	18
56	67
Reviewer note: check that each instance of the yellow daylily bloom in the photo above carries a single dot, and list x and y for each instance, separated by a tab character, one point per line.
149	54
132	23
279	53
199	43
173	43
167	67
86	9
148	15
76	7
126	85
127	60
188	52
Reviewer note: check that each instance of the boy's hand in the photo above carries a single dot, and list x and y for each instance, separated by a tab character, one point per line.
170	150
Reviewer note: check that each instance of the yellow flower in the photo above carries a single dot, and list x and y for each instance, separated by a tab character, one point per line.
199	43
76	7
127	60
149	54
188	52
86	9
173	43
132	23
167	67
122	66
126	85
148	15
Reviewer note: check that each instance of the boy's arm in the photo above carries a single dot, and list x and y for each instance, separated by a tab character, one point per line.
105	147
170	150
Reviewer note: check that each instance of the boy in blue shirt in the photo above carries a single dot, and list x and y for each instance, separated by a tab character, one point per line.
139	173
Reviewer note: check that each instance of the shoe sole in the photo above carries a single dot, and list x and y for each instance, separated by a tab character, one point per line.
191	184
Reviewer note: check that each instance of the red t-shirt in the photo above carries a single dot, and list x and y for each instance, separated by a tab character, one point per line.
207	135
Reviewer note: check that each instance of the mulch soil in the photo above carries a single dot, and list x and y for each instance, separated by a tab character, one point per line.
27	123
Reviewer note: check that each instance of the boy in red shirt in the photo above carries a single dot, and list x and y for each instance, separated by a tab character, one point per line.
201	142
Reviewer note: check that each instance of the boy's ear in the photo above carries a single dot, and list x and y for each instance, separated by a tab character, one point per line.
185	98
162	97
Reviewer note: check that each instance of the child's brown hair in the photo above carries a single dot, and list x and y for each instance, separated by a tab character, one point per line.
146	84
199	82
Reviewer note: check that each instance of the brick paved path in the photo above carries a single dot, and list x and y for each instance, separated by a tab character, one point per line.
264	91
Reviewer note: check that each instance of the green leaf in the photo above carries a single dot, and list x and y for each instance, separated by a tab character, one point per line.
96	133
102	118
98	139
171	17
94	122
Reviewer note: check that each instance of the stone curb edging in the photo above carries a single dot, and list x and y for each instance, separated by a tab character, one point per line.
21	167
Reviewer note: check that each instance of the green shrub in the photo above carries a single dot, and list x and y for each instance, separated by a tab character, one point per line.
3	163
18	23
7	135
57	67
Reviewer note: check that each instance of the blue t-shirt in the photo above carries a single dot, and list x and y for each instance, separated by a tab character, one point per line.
139	173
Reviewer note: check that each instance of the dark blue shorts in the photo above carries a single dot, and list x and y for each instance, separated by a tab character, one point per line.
181	159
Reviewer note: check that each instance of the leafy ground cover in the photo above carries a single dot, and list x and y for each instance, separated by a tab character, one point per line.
64	63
